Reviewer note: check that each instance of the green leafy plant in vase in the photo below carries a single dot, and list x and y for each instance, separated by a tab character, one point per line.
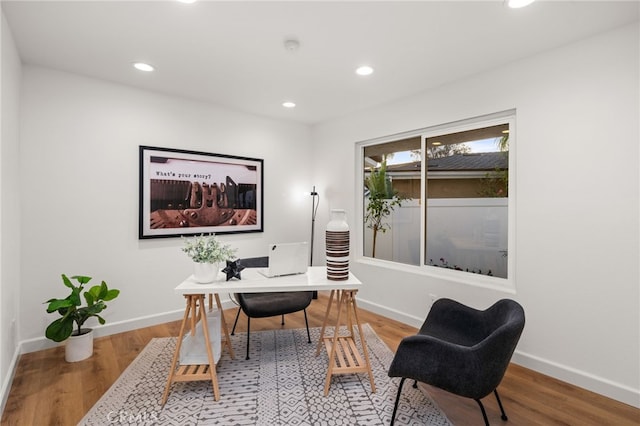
207	252
73	314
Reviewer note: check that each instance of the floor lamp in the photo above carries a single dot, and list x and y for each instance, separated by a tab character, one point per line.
315	201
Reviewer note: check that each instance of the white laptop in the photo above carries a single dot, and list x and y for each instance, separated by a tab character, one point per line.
287	259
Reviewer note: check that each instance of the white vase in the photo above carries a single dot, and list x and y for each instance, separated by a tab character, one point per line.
205	272
337	246
79	347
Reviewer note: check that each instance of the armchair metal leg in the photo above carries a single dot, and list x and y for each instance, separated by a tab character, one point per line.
504	415
395	407
484	413
248	329
233	330
307	324
282	323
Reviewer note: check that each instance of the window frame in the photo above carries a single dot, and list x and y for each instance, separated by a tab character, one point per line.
504	284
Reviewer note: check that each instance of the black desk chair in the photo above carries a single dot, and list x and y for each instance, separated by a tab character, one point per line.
263	305
461	350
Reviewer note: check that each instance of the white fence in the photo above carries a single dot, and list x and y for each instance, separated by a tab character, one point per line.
465	233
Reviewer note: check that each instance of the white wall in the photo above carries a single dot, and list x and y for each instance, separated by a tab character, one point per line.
79	186
9	209
576	192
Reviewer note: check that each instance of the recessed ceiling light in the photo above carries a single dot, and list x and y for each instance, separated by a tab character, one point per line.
143	67
187	1
364	70
516	4
436	143
289	104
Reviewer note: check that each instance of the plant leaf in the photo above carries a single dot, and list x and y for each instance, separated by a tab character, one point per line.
74	297
55	304
111	294
66	281
88	296
59	330
103	290
81	279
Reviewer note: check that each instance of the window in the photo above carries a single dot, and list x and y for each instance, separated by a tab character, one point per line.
439	197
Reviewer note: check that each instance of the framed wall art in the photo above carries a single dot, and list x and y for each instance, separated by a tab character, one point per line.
188	192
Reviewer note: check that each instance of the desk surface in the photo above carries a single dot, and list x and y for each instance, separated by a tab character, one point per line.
253	282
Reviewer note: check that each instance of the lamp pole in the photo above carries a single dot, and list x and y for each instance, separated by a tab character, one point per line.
314	210
315	201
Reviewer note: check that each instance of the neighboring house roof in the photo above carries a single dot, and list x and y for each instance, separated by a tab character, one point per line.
476	161
460	162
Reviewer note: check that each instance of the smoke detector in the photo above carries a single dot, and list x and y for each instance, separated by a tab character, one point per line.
291	44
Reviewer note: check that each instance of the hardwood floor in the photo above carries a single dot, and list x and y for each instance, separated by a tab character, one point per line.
47	390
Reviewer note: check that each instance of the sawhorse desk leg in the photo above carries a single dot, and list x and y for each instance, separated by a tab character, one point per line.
196	311
344	357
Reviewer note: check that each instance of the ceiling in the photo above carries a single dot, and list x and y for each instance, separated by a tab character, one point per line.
232	54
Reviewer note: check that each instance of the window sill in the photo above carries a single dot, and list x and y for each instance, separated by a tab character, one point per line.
458	277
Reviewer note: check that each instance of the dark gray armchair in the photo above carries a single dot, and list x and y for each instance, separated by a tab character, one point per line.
263	305
461	350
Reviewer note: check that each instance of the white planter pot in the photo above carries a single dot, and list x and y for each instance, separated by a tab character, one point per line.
205	272
79	347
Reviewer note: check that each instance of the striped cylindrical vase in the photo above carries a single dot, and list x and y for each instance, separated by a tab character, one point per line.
337	242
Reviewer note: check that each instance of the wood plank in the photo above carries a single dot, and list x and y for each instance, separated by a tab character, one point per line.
348	358
348	351
341	362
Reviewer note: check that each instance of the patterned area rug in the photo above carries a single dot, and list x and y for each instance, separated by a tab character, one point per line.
282	384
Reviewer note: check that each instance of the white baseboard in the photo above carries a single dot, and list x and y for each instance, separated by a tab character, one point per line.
40	343
579	378
8	380
390	313
599	385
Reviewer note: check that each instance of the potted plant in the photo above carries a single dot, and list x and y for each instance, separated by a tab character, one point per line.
73	316
207	253
383	199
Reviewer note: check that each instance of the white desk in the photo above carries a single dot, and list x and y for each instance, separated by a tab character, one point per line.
344	357
254	282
